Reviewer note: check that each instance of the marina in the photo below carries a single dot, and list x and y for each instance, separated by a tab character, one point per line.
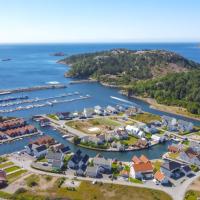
38	99
47	103
13	98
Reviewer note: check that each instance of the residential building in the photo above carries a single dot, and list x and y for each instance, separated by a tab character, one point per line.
93	172
185	126
3	178
111	110
171	169
88	112
36	150
55	159
98	110
161	178
190	156
141	168
102	162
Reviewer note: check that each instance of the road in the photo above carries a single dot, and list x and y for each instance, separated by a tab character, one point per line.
177	192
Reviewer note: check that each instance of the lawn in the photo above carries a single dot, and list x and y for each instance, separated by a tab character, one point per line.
3	159
11	169
156	165
173	155
103	124
32	180
134	180
192	195
6	164
146	117
53	116
130	141
15	175
99	191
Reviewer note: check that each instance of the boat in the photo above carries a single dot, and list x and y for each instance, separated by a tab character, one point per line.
6	59
53	82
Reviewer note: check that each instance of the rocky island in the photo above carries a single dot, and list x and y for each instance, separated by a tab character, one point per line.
165	76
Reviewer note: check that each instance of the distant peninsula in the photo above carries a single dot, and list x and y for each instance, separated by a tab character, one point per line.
165	76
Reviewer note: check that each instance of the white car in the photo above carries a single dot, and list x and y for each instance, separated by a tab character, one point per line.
94	182
155	181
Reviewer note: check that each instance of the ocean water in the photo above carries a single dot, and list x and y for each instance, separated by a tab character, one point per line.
33	65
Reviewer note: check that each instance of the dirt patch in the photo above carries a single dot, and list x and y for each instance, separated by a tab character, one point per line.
195	185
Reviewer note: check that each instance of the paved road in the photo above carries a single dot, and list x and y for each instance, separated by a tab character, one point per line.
177	192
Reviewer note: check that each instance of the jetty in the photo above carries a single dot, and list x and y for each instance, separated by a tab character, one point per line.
83	81
34	88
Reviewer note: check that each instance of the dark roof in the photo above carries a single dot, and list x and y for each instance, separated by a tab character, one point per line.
170	165
41	148
65	149
78	152
187	168
85	158
54	155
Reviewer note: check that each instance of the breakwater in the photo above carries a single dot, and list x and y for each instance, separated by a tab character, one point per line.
34	88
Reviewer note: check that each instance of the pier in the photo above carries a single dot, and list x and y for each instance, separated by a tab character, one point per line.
34	88
48	103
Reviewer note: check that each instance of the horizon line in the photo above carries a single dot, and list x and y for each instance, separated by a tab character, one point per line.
101	42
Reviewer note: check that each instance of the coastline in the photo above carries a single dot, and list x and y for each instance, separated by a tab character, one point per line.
170	109
152	102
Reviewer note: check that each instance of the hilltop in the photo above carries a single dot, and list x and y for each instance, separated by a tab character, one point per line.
122	66
165	76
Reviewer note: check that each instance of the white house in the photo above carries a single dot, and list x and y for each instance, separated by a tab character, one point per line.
88	112
134	131
36	150
98	110
158	138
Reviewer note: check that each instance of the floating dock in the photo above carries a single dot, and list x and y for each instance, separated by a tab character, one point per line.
34	88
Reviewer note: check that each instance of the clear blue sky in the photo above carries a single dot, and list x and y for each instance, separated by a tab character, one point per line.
99	21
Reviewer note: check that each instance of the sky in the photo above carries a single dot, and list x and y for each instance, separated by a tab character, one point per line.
71	21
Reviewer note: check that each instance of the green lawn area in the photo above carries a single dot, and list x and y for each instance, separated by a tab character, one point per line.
5	195
3	159
15	175
134	180
146	117
100	191
157	165
173	155
32	180
6	164
53	116
42	159
192	195
103	124
11	169
131	140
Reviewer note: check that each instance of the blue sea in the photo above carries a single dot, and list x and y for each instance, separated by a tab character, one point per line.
32	65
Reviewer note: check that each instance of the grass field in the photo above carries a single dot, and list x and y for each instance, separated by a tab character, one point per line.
156	165
97	192
6	164
11	169
131	140
146	117
103	124
15	175
192	195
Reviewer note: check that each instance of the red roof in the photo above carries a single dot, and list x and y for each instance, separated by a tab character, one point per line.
142	164
143	167
159	176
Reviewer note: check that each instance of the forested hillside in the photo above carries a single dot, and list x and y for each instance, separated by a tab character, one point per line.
182	89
